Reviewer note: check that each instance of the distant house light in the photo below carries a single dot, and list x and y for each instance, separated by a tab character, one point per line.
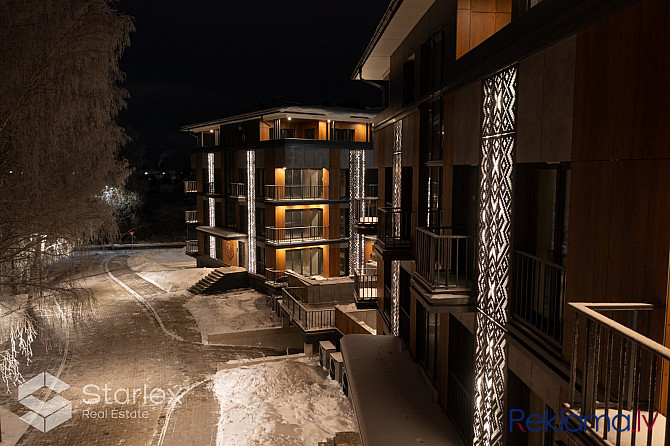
11	171
211	131
146	173
163	173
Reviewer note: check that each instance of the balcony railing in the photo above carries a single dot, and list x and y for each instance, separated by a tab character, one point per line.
394	226
211	188
238	190
191	216
371	190
276	276
307	318
539	296
443	259
365	210
622	380
295	234
190	186
365	285
280	192
191	246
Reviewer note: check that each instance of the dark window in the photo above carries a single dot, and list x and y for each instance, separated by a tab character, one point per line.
218	211
426	74
260	183
260	260
288	133
309	133
344	261
344	183
208	139
437	60
260	221
437	130
460	381
343	134
408	82
434	196
344	223
219	248
231	215
404	328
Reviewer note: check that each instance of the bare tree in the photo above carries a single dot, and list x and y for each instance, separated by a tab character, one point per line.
59	96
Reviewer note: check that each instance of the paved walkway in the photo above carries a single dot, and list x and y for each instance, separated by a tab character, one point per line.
127	345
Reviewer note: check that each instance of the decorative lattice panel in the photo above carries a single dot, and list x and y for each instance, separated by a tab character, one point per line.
251	210
495	213
396	201
356	190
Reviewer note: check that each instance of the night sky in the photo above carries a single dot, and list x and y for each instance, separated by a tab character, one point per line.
201	60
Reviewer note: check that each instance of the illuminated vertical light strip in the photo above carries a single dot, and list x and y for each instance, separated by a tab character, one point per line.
210	173
356	190
495	214
251	209
395	218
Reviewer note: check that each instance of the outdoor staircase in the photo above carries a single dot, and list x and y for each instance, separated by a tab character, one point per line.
343	439
209	282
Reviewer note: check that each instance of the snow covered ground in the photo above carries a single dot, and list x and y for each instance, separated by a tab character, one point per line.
280	403
232	311
168	269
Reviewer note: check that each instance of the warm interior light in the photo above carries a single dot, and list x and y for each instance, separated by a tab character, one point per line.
289	118
211	131
329	121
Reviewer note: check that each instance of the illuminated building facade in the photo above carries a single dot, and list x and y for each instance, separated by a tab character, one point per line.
522	237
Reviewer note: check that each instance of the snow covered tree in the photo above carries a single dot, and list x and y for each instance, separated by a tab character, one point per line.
59	97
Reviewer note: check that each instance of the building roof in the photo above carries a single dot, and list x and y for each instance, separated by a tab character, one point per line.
298	111
400	18
393	402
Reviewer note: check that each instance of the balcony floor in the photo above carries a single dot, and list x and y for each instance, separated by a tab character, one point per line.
392	401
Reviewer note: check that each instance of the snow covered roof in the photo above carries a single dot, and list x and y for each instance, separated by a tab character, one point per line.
221	232
393	402
298	111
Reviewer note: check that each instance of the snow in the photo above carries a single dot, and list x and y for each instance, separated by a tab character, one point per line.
232	311
169	269
280	403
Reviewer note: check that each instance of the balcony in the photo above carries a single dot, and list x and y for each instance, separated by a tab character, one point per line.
538	297
371	190
308	318
191	247
443	277
190	187
617	372
211	188
365	288
365	215
238	190
191	216
296	193
276	277
394	231
299	234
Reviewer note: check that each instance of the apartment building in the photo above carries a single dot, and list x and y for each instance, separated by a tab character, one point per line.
522	236
276	192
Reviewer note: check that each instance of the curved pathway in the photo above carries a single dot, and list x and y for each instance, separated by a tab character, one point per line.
137	339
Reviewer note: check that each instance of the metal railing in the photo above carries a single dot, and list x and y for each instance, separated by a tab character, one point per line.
238	190
365	285
365	210
211	188
394	226
371	190
621	375
443	259
295	234
309	192
276	276
307	318
539	295
191	216
191	246
190	186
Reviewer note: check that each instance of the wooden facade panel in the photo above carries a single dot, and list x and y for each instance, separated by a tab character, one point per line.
644	91
596	82
482	26
466	124
558	100
529	110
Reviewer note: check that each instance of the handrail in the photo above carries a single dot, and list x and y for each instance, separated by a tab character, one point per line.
308	318
365	280
588	310
191	216
238	189
442	259
191	246
296	192
295	233
628	363
190	186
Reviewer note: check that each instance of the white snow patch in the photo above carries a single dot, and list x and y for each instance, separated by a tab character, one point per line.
233	311
168	269
280	403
